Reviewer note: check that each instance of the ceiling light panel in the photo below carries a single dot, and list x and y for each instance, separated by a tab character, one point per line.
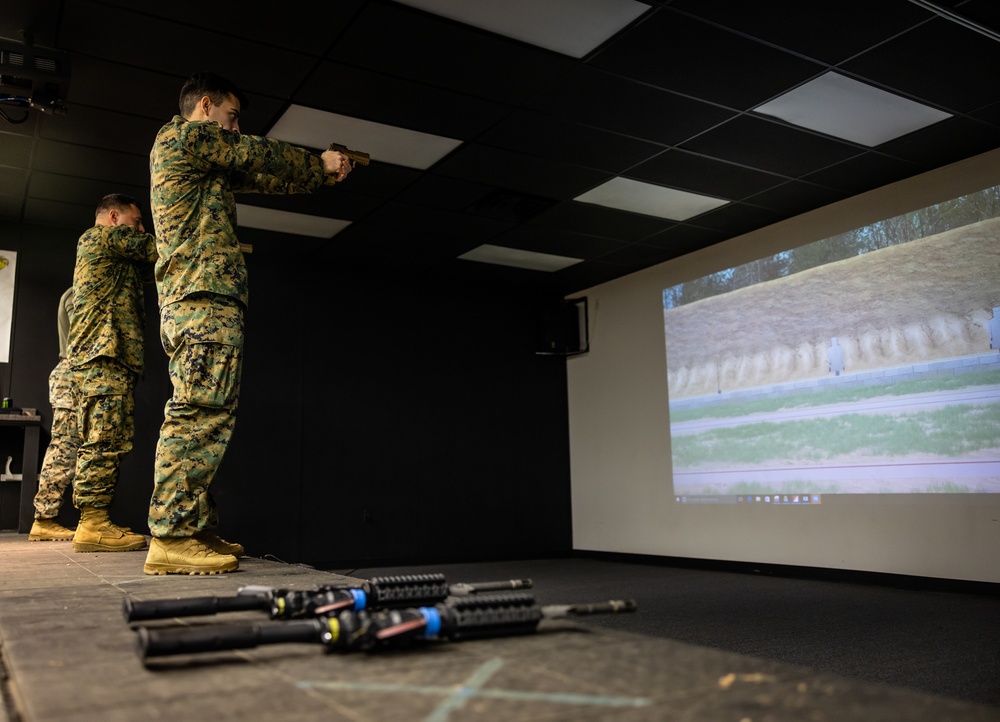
298	224
570	27
845	108
651	200
311	128
502	256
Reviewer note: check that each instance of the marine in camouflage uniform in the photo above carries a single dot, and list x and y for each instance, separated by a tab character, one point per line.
106	352
197	163
59	464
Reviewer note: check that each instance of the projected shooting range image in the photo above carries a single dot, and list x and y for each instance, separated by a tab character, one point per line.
866	363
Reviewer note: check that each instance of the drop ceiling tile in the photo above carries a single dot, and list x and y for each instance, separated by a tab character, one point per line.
85	30
442	192
700	174
534	134
15	150
517	171
507	205
864	172
25	125
828	32
600	221
945	142
313	128
983	12
96	163
341	88
988	114
737	219
99	128
292	224
649	199
89	86
771	146
678	53
309	32
569	27
417	240
585	275
83	191
399	41
559	243
56	213
13	181
682	239
10	206
636	256
604	100
921	64
842	107
517	258
795	197
42	16
380	259
408	217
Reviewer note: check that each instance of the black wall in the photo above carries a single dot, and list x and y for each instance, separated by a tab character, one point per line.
382	418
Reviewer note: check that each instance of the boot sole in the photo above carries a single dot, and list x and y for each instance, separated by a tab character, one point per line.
89	547
50	538
164	569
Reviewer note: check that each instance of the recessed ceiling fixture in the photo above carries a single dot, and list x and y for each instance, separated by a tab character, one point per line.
570	27
297	224
502	256
311	128
648	199
845	108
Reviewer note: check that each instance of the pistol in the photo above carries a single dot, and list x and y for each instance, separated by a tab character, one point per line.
355	156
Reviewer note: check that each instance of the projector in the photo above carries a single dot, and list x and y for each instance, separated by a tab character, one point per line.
33	78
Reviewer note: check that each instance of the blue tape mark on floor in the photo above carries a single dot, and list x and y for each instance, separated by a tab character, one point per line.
463	692
457	696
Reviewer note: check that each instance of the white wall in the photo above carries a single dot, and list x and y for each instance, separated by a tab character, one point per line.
620	437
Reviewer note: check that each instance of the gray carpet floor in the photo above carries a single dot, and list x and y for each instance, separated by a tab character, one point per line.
944	643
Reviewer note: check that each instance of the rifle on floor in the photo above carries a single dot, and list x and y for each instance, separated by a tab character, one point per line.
409	590
456	619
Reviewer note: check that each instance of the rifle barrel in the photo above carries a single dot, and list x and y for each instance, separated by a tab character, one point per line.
137	610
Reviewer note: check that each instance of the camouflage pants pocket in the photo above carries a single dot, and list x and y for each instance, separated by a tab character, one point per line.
106	426
105	411
204	337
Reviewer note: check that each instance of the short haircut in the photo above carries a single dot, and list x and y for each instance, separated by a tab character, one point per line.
214	86
117	202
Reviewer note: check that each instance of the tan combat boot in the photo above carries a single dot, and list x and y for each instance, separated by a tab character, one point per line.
186	555
219	545
97	533
49	530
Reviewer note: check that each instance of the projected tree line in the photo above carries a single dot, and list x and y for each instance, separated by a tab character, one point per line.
929	221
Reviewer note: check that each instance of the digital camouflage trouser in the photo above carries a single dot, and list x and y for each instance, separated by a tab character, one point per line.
59	464
105	419
203	335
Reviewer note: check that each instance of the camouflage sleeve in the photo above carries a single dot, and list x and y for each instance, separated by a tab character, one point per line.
264	183
264	165
131	244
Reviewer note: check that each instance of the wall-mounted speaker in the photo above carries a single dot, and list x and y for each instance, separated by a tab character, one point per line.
563	328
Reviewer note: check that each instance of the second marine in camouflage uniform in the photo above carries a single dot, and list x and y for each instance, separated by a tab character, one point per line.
196	165
106	352
59	464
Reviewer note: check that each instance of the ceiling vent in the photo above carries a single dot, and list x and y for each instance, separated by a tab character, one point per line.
507	205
